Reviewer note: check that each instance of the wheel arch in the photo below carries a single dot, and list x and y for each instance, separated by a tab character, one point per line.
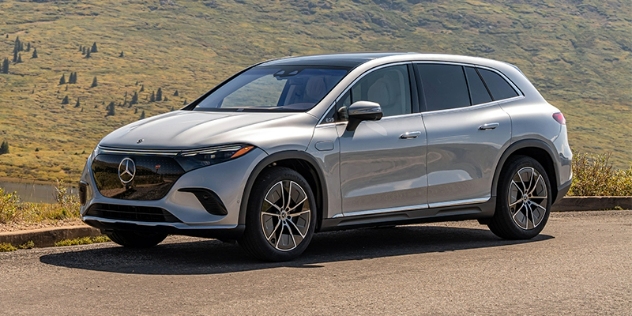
301	162
535	149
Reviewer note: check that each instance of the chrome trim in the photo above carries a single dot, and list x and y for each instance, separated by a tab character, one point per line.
459	202
383	210
181	226
169	152
477	106
102	150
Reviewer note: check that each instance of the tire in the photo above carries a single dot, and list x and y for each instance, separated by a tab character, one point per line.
519	215
281	216
133	239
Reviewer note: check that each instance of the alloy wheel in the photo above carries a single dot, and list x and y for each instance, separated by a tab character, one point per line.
528	198
285	215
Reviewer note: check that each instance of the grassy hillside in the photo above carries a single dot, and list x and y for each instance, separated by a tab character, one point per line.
576	52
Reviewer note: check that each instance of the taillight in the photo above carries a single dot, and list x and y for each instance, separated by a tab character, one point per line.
559	117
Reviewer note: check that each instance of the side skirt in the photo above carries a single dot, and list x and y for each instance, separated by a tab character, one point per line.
480	211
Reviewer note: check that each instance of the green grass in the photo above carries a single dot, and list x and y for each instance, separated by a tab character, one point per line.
12	210
6	247
82	241
594	175
576	53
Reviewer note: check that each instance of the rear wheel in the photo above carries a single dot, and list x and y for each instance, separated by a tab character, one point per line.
133	239
524	200
281	217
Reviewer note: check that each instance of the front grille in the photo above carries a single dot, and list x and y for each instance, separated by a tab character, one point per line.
153	177
132	213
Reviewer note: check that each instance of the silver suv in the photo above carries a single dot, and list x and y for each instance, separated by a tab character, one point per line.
294	146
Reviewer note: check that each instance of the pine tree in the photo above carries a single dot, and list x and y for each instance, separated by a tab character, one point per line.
94	82
121	54
62	80
77	104
88	54
65	100
176	94
94	47
142	115
73	78
165	99
111	109
66	88
185	102
134	98
19	58
135	110
172	109
152	98
5	66
142	88
159	95
81	109
81	48
34	53
4	148
17	46
28	47
15	56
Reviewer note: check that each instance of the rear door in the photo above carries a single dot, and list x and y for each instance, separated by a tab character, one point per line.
466	129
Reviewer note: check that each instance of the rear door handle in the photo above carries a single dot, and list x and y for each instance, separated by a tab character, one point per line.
410	135
488	126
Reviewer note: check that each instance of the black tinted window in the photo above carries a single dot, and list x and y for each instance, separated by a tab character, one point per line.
478	92
443	86
499	88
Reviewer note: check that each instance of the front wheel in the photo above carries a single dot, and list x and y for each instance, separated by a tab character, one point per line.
133	239
281	216
524	200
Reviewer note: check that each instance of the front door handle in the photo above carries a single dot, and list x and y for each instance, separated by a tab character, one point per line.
487	126
410	135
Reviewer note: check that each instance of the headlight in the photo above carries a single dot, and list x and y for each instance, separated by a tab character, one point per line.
198	158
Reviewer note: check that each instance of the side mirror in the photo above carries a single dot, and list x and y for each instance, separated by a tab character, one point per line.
363	111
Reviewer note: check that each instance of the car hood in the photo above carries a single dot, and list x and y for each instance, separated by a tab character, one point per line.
197	129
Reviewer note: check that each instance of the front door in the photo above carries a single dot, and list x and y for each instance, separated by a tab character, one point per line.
383	163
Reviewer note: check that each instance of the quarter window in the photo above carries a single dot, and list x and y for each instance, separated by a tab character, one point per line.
443	86
478	92
498	87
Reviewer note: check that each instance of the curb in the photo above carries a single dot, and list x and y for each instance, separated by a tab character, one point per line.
592	203
47	237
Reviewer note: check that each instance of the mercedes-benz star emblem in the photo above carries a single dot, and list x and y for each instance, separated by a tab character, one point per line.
127	170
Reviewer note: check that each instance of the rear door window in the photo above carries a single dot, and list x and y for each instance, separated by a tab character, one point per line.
497	85
443	86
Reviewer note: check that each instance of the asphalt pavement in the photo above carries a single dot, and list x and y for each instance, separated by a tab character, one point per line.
580	265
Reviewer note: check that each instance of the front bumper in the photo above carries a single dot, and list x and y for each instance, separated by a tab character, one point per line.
227	180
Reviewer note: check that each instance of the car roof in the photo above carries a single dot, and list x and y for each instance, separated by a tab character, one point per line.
347	60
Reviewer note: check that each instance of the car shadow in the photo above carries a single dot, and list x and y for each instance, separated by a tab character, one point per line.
215	257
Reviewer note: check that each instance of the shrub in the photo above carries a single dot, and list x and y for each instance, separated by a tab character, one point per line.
593	175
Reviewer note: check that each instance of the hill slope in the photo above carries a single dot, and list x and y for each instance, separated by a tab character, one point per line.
578	54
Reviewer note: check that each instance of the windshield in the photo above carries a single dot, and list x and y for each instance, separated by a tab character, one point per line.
280	88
